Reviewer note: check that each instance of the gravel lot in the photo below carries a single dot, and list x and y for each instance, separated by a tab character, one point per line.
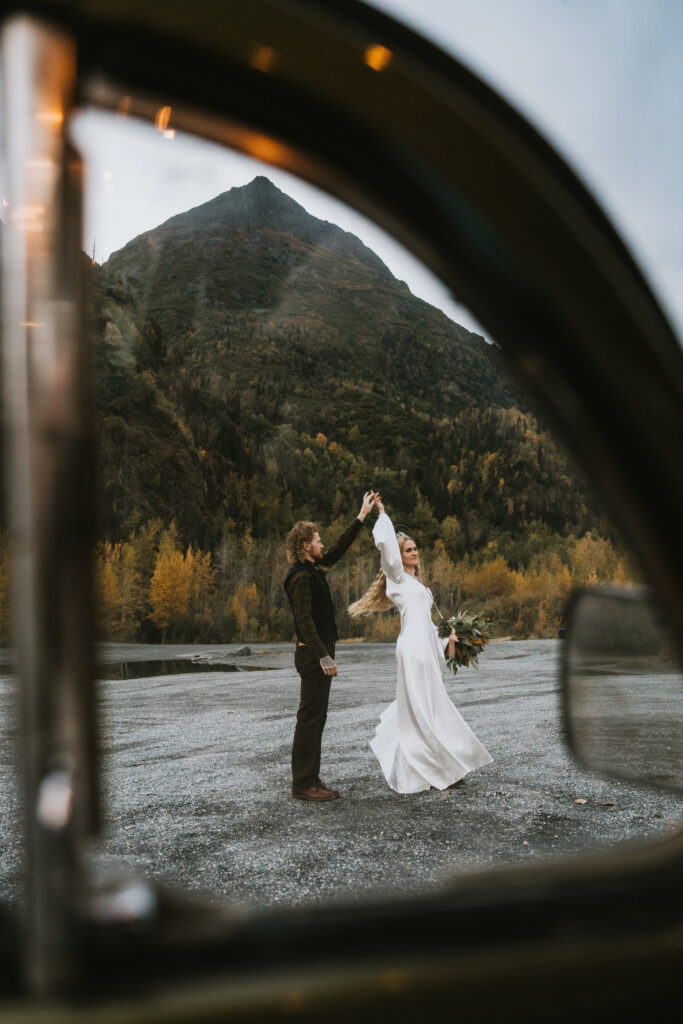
196	783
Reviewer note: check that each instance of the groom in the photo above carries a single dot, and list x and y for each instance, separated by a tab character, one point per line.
309	597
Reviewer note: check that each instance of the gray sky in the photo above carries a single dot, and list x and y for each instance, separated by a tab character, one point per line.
602	79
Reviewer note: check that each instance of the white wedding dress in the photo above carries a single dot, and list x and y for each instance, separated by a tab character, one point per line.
421	740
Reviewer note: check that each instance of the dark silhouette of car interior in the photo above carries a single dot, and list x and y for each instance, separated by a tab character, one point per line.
430	153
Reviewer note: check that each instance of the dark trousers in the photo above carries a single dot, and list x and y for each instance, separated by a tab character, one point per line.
310	718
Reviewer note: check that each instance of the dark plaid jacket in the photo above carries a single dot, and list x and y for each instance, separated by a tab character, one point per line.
309	595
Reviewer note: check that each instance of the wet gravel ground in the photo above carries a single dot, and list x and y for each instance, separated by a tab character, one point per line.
196	783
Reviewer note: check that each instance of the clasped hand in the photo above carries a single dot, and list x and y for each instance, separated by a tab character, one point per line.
369	499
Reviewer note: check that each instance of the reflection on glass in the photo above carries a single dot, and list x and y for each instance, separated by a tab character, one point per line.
625	689
11	854
263	58
263	355
377	57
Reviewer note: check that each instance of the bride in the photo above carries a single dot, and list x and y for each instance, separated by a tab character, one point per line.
421	740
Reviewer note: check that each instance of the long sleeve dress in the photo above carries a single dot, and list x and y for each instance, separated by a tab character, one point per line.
421	740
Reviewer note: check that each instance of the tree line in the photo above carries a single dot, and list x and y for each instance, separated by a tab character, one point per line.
219	423
153	588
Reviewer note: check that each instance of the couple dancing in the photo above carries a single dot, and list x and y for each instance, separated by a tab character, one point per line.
421	740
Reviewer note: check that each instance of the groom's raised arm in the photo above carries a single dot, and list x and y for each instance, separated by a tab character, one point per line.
350	533
341	544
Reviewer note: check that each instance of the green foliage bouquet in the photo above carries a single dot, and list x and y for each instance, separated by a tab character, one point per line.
473	634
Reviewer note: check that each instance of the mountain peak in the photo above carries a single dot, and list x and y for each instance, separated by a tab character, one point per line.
254	208
259	182
259	205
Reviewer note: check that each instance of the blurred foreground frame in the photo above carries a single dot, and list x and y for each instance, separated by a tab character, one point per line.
358	105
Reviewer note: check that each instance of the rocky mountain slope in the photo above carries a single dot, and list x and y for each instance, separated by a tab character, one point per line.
255	364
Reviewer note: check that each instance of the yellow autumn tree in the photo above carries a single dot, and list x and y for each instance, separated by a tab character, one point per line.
118	587
490	579
244	606
540	597
170	589
130	589
443	579
592	560
450	532
108	595
202	577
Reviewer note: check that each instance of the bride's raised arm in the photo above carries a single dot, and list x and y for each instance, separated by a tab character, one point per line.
390	553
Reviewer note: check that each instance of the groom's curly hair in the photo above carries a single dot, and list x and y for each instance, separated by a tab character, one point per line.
300	534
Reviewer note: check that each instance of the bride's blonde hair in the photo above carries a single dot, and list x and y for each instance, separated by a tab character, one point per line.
375	597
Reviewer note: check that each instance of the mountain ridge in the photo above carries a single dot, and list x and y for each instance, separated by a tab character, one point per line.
258	206
251	371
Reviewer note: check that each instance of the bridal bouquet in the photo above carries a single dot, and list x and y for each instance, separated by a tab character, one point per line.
473	634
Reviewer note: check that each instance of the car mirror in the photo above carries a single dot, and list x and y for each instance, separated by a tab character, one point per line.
623	687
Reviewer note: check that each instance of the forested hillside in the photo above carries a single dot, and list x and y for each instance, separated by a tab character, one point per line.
255	365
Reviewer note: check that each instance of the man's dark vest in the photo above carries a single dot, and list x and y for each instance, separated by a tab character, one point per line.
321	602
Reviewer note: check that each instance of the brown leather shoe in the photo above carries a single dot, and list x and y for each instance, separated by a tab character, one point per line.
321	785
314	793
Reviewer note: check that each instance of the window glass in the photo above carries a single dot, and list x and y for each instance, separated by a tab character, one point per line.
263	356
